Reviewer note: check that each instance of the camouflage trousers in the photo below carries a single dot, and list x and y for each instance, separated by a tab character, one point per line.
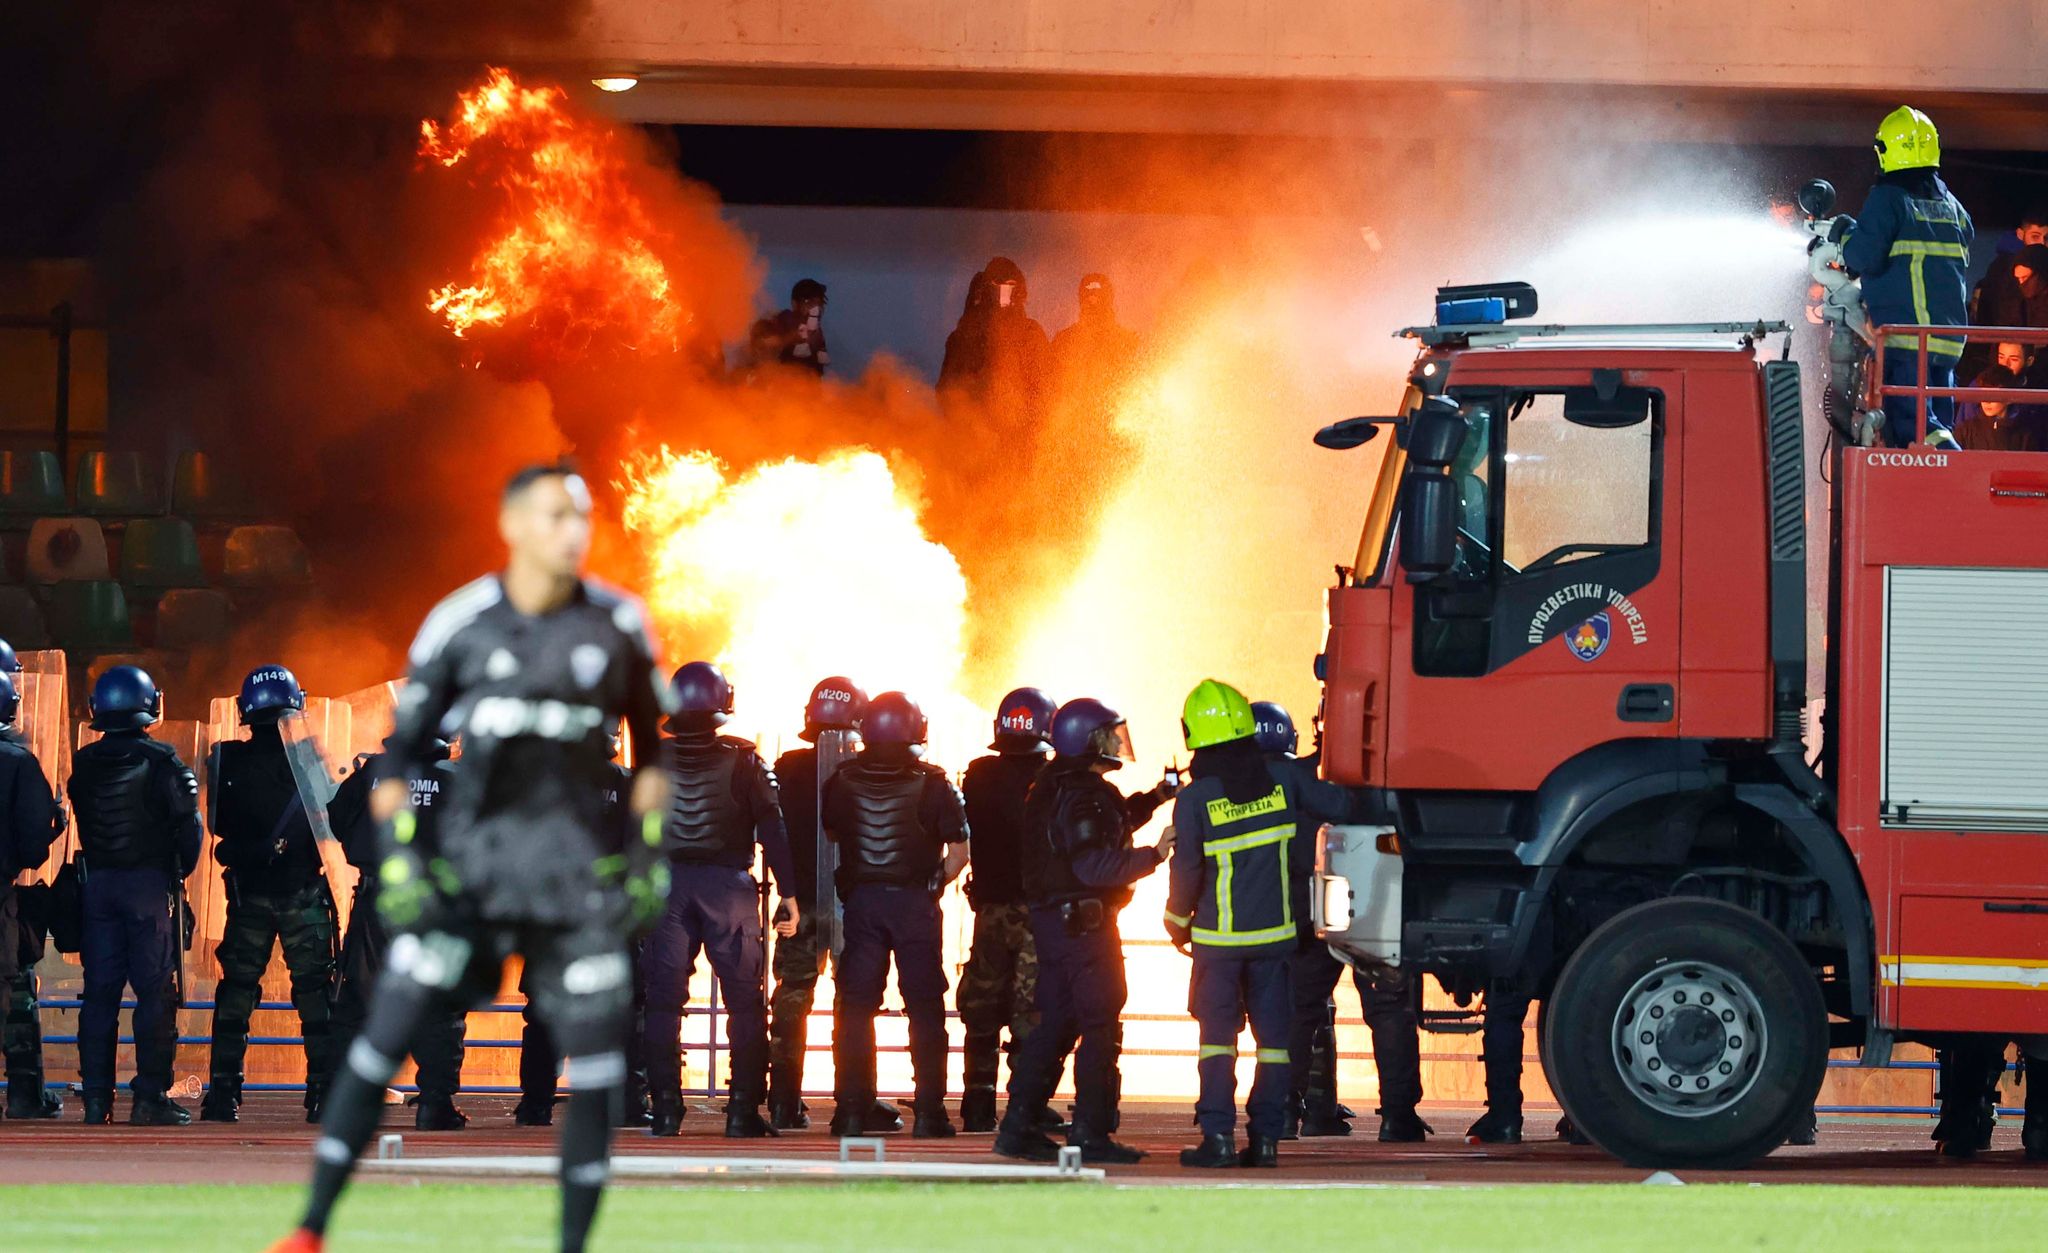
305	924
998	989
23	1034
796	987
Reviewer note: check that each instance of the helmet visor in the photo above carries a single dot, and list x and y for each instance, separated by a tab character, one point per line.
1115	741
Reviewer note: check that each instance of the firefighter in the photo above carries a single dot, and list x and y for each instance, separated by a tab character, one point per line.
901	832
277	894
1231	903
835	704
1911	247
722	803
137	807
1388	1002
442	1040
1079	864
31	823
999	986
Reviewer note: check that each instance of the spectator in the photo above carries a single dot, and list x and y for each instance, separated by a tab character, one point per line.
1998	298
998	357
764	349
801	327
1094	357
1994	425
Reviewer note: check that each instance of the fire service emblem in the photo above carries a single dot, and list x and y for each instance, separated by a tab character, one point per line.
1589	639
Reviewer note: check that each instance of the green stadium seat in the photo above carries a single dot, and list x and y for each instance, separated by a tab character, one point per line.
199	490
66	550
113	485
266	557
21	620
31	486
192	619
87	616
159	553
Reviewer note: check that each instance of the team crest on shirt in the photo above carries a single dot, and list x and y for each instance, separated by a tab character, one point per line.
1589	639
501	665
587	664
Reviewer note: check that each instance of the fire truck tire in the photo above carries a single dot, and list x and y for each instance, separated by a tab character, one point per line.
1686	1033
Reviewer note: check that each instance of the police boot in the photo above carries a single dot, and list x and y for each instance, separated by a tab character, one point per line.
534	1112
1263	1152
634	1111
882	1119
30	1100
787	1113
1495	1128
219	1105
157	1111
931	1123
99	1108
1217	1152
1097	1149
438	1113
316	1101
1019	1139
1048	1121
1568	1131
1403	1127
668	1114
1805	1130
744	1122
1324	1122
978	1110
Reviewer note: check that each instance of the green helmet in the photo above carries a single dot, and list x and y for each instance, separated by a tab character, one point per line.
1216	713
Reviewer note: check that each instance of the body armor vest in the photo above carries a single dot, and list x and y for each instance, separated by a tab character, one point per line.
110	781
707	824
887	842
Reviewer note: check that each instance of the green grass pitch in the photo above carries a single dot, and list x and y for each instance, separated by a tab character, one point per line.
1035	1217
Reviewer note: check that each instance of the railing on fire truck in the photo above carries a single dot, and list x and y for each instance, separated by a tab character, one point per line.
1923	394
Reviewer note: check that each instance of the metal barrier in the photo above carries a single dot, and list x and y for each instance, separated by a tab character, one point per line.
1923	394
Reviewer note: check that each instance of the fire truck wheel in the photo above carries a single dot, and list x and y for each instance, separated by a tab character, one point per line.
1686	1033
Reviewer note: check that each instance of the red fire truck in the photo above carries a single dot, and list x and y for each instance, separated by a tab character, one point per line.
1569	666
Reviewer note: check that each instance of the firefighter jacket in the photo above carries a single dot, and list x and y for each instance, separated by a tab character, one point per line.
1233	868
1911	246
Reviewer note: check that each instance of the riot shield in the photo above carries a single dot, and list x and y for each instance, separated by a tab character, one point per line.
835	749
310	772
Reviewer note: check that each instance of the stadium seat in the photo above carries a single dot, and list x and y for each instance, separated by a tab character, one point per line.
112	485
31	486
199	491
87	616
161	552
191	619
21	619
265	556
66	550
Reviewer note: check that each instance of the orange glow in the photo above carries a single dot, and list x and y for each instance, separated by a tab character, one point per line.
576	250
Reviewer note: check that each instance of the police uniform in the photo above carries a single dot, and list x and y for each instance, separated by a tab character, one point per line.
1231	888
796	957
891	816
441	1042
277	895
1911	248
723	802
999	987
32	822
137	808
1078	868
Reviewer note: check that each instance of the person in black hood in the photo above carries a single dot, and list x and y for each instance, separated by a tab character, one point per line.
277	895
723	803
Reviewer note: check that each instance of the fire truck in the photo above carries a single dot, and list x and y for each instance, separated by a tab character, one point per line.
1568	669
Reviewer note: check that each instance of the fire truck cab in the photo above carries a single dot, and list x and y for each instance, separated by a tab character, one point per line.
1569	671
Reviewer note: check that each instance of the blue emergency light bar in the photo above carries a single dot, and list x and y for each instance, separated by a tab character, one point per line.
1484	304
1485	311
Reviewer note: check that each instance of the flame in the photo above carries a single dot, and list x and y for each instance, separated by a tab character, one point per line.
795	570
575	245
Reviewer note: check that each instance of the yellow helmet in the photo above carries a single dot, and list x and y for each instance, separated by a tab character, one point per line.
1216	713
1907	140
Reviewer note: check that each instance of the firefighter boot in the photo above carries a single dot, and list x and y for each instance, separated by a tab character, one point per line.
1216	1152
978	1110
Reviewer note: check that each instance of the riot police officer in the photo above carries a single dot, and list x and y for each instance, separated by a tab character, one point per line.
723	802
440	1045
1232	903
277	894
1389	1002
29	824
1079	864
901	833
137	807
835	705
999	987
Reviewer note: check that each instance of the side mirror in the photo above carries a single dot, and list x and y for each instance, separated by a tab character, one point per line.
1351	432
1429	526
